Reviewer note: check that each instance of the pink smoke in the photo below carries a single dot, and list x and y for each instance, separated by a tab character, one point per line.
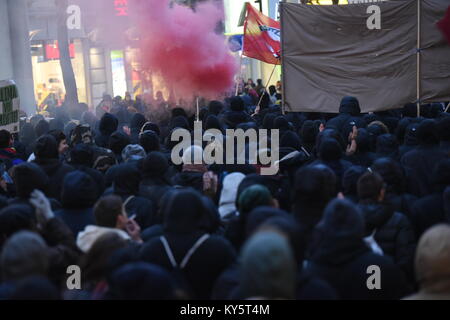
182	46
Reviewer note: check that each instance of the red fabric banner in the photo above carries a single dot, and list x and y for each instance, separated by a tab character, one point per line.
261	37
444	25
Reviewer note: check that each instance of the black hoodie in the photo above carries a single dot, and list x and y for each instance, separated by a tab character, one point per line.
182	228
155	182
420	161
108	124
136	123
349	116
78	196
126	185
342	258
46	152
393	233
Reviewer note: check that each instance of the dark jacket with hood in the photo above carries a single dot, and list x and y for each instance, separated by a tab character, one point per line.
155	181
394	234
342	258
28	177
126	185
82	159
349	116
47	158
136	123
117	142
330	154
420	161
108	124
363	155
236	114
430	210
78	196
394	177
182	229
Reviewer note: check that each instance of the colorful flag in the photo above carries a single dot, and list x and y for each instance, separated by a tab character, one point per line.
444	25
235	42
261	37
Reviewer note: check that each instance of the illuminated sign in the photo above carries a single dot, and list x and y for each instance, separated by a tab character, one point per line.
52	51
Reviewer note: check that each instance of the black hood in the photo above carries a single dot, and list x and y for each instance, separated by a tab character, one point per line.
400	131
82	154
16	218
309	131
108	124
56	124
179	122
427	133
155	165
41	128
237	104
290	140
375	215
387	145
126	180
137	121
118	141
281	123
350	179
79	190
234	118
151	127
184	213
149	140
215	107
350	105
411	135
364	141
28	177
391	172
341	234
330	150
342	218
268	120
46	148
212	122
260	215
443	128
27	134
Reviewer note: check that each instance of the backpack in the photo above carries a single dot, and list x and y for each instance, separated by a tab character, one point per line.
178	269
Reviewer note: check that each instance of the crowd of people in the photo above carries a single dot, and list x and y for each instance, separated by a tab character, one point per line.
98	189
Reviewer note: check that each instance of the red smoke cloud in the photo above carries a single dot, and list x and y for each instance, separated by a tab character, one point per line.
183	47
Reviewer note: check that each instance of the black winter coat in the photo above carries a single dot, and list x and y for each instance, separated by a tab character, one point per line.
56	171
344	262
205	266
419	164
393	233
428	211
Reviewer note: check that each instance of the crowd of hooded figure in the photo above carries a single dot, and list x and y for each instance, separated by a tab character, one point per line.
99	191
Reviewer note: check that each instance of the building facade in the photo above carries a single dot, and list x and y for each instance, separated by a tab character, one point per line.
15	55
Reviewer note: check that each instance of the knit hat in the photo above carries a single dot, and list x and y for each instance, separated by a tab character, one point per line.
252	197
133	152
24	254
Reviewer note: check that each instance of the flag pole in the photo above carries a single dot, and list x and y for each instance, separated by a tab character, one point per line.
268	81
198	110
240	73
418	57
